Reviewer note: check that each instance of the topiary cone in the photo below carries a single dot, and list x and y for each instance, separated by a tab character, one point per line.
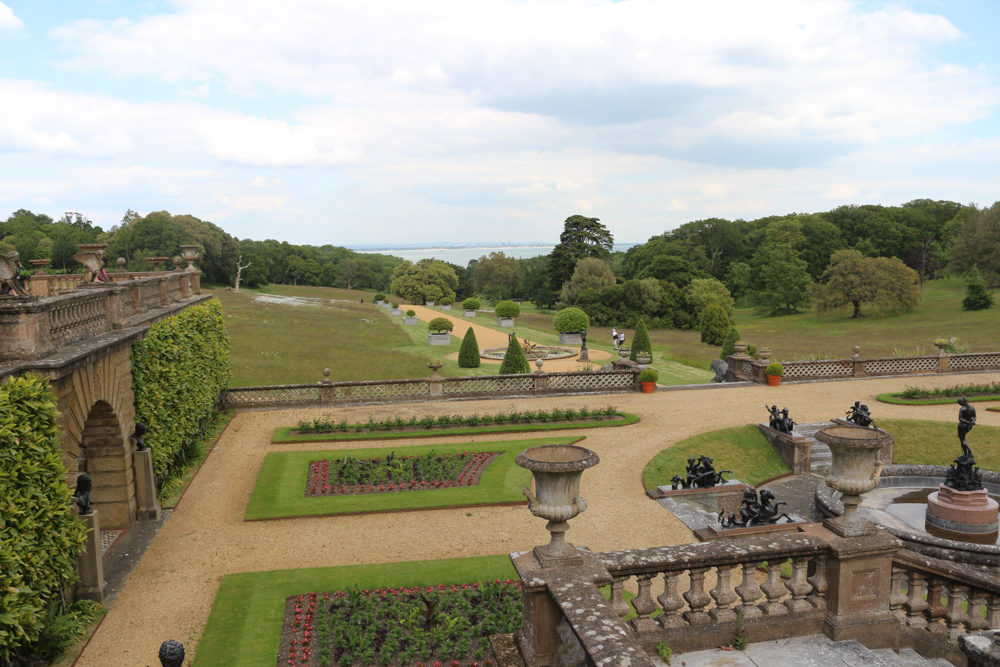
640	341
468	354
514	360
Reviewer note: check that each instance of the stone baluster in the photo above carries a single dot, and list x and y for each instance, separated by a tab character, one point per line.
977	607
897	598
775	589
749	592
993	611
819	583
724	595
915	604
799	586
617	597
935	607
954	616
697	598
644	605
671	601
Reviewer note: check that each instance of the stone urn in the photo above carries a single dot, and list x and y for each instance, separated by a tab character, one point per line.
643	358
557	470
156	261
855	471
764	354
434	370
40	265
190	253
624	352
941	345
741	347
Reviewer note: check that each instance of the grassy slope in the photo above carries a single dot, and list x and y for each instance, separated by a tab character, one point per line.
244	627
936	443
280	488
742	449
282	434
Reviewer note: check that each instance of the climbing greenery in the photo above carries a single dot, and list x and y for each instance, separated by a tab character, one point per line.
178	373
507	309
440	325
468	354
40	538
571	320
640	341
514	360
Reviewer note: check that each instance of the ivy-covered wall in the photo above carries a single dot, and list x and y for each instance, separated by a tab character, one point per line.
40	538
178	371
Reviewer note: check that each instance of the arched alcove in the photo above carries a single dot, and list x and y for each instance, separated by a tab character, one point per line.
106	458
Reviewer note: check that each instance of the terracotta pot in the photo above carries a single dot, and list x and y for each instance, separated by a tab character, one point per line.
773	380
648	387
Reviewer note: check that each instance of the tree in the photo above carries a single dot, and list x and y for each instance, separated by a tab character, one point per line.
703	291
590	273
350	270
883	282
514	360
729	345
497	276
739	279
714	324
977	244
925	260
239	270
427	280
468	354
782	278
976	296
640	341
581	237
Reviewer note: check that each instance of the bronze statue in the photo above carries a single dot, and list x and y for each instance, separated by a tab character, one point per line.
140	430
860	415
963	475
171	654
701	473
754	511
966	420
780	421
82	494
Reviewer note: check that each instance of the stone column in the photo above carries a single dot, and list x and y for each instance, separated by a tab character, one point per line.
858	363
148	508
538	639
436	383
541	378
325	388
859	572
91	562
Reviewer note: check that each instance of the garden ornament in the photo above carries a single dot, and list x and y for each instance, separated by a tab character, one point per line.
140	430
966	420
700	474
720	368
10	269
171	654
754	511
860	415
583	340
964	475
94	261
780	421
82	494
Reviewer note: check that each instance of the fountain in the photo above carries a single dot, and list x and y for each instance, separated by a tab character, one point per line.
855	471
557	470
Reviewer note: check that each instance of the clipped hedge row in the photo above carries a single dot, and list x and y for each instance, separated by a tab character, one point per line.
40	538
178	373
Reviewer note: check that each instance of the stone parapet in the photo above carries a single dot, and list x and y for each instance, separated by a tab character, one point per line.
794	450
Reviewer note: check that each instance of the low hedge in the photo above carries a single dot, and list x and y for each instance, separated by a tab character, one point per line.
40	538
179	371
898	399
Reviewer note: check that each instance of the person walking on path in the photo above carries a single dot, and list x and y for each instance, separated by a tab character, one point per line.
621	341
614	337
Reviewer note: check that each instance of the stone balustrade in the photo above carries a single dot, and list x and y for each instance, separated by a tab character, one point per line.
44	284
33	327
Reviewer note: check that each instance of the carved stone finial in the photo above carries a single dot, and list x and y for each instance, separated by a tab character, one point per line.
171	654
857	351
121	265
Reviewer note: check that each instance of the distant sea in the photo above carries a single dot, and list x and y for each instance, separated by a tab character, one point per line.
462	256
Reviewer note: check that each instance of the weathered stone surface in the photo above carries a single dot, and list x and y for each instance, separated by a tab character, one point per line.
981	648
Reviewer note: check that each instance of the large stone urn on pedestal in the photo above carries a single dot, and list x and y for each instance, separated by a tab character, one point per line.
855	471
190	253
557	470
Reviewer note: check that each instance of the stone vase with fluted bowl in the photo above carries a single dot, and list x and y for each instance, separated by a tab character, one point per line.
557	470
854	472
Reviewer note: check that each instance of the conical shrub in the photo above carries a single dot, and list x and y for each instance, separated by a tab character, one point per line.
640	341
976	296
714	324
514	360
468	354
729	347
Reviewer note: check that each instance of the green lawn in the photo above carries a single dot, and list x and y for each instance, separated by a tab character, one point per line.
743	449
283	433
923	442
897	399
281	484
244	627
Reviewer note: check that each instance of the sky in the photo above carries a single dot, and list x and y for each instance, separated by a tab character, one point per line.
368	121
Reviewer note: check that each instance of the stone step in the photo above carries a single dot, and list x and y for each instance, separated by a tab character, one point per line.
907	657
811	651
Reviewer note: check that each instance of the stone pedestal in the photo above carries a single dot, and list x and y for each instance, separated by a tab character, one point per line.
860	573
962	511
147	507
91	562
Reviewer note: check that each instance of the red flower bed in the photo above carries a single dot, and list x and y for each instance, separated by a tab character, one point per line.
343	477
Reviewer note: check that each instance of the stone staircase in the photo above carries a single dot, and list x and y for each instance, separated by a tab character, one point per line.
811	651
820	457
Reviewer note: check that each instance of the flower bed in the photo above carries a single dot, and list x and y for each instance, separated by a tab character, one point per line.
923	396
398	427
392	474
404	627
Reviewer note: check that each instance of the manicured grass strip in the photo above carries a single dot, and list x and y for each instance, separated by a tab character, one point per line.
244	627
281	484
283	434
924	442
896	399
742	449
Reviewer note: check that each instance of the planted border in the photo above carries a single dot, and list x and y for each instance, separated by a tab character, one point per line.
283	433
244	627
278	493
897	399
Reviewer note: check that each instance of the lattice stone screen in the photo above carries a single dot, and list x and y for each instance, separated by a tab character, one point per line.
901	365
378	391
292	394
590	381
825	368
974	361
513	385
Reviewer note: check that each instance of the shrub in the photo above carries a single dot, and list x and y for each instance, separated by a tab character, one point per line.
471	303
40	538
514	360
976	296
640	341
774	368
394	305
468	354
507	310
571	320
714	324
445	301
178	372
380	296
411	313
440	325
649	375
729	345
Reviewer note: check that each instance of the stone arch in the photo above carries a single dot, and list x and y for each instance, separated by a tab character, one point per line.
105	456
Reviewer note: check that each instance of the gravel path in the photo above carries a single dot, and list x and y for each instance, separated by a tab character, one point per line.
171	592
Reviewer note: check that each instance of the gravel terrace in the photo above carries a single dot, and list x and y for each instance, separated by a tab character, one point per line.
171	592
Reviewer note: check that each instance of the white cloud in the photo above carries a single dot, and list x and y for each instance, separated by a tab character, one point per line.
7	19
